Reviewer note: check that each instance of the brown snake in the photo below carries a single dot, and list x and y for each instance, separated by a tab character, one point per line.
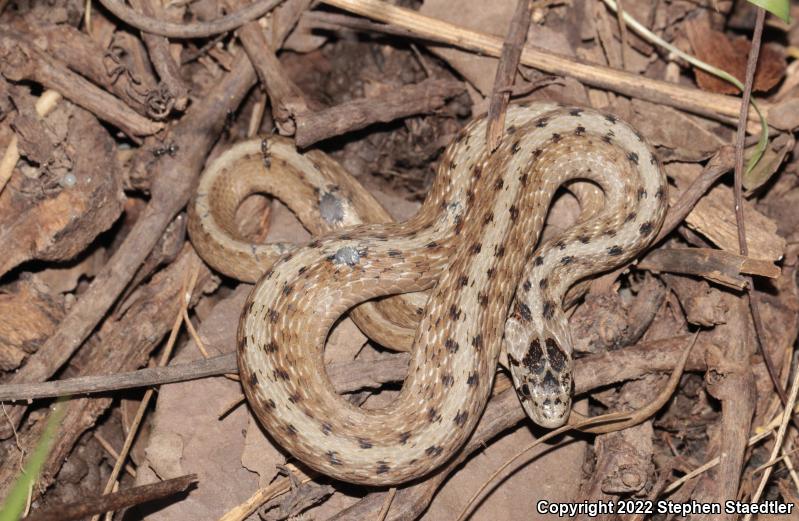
473	242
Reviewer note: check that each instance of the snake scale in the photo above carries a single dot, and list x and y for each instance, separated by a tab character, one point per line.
473	245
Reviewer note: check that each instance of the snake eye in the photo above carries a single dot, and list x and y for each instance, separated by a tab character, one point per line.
524	390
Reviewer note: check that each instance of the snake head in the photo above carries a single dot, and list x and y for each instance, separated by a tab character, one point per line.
542	378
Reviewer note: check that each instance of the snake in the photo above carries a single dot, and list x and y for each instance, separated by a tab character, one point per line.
472	246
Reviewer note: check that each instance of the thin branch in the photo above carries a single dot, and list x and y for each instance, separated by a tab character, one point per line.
751	67
506	72
194	30
117	500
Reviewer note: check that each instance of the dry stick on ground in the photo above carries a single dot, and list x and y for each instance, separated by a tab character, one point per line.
730	380
506	72
751	66
419	98
20	61
714	106
85	56
194	30
177	92
285	97
116	501
719	266
173	184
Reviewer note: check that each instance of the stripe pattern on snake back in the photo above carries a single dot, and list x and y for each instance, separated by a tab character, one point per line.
470	243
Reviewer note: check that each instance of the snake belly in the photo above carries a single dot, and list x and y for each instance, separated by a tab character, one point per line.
469	244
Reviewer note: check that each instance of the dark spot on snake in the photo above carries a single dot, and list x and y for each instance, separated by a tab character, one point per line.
432	244
524	311
566	260
475	249
482	299
652	160
460	418
610	233
641	193
543	283
511	129
451	345
575	112
611	118
630	217
291	430
432	415
499	184
638	135
332	457
633	157
280	373
579	131
315	243
523	179
477	342
433	450
302	270
458	225
463	280
542	122
584	239
381	236
615	250
382	467
607	139
253	379
488	218
499	251
514	212
268	274
561	245
646	228
660	193
403	438
478	171
490	273
548	310
364	443
556	137
512	360
537	153
539	260
447	380
326	428
287	289
271	347
394	253
515	148
295	398
550	385
533	360
454	312
470	195
557	360
273	316
526	286
472	379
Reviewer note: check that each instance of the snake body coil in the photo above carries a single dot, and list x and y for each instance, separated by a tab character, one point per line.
472	244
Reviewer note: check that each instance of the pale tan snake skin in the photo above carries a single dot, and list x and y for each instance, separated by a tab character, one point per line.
470	243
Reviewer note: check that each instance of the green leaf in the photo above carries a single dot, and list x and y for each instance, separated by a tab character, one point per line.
14	504
780	8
